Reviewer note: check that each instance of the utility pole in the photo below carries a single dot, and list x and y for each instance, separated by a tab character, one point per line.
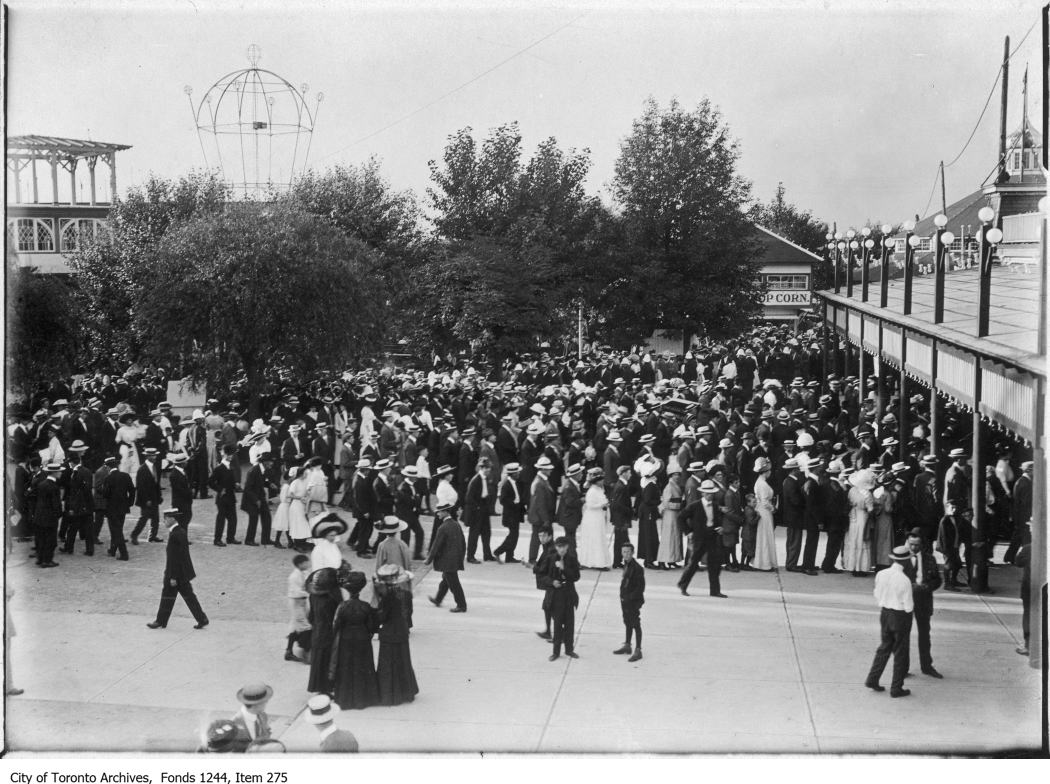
1003	176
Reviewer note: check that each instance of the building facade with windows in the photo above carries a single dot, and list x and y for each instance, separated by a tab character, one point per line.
57	196
786	271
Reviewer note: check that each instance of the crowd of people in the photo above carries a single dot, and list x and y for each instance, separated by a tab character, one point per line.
702	454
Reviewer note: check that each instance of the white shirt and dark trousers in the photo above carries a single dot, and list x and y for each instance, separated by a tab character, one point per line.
893	592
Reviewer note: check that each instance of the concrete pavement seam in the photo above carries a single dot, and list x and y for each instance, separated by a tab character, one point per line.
565	672
996	616
798	661
132	672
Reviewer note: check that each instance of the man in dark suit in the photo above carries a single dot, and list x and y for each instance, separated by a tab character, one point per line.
148	496
98	481
406	507
224	483
570	504
364	507
1021	510
542	506
479	504
512	500
813	516
926	500
621	512
563	570
181	489
382	488
706	529
793	505
79	502
256	499
178	574
632	597
46	514
295	450
925	579
323	449
836	517
467	461
447	550
507	442
547	553
119	492
251	721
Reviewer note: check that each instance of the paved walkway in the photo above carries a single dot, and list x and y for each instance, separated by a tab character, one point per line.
777	667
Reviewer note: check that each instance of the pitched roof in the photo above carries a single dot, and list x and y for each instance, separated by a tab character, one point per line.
781	250
46	144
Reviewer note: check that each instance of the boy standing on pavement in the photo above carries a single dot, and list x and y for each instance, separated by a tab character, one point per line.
632	597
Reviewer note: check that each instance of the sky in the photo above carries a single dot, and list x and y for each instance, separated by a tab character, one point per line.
852	105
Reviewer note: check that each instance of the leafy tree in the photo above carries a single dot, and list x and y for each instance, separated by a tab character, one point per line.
43	335
688	259
237	291
800	227
516	241
112	270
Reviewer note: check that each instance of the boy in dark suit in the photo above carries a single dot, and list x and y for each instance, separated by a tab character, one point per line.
540	570
563	570
632	597
178	574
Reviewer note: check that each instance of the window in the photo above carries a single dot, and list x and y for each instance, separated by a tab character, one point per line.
74	230
786	282
34	235
1017	161
924	245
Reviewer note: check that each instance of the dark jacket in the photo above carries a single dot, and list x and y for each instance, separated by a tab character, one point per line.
48	508
476	508
119	492
255	495
448	547
564	595
178	565
224	483
181	493
570	506
632	584
620	509
513	510
384	496
147	487
79	500
793	502
542	503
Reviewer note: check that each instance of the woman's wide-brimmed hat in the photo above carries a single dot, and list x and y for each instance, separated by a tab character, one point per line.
392	573
391	524
322	581
321	525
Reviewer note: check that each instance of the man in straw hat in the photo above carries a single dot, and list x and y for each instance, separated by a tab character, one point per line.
706	530
926	578
570	504
448	548
79	501
893	592
479	504
46	515
148	496
512	500
178	574
322	713
542	506
251	721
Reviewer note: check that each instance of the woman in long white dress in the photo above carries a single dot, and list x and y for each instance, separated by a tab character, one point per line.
316	488
885	497
856	550
594	539
298	526
127	435
280	516
669	552
765	542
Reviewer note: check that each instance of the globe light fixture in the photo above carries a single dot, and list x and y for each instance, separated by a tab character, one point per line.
838	235
986	214
909	225
886	228
842	245
995	236
865	231
851	234
854	245
913	241
940	221
947	238
869	243
829	236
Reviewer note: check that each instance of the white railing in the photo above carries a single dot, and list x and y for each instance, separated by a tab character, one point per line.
1022	228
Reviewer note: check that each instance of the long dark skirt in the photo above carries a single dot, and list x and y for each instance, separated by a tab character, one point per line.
396	678
322	612
355	676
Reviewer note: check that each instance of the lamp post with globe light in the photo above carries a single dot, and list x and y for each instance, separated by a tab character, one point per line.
910	243
988	237
839	247
942	240
851	247
884	279
865	258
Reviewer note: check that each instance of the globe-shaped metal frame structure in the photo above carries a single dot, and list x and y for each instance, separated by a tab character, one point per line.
259	108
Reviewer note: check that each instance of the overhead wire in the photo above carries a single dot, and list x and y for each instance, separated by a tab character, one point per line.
454	90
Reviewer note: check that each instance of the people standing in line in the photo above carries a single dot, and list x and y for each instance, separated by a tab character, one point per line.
542	506
448	549
178	576
395	676
893	593
511	499
479	504
669	551
325	597
224	482
621	512
632	597
352	671
765	504
563	570
926	578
